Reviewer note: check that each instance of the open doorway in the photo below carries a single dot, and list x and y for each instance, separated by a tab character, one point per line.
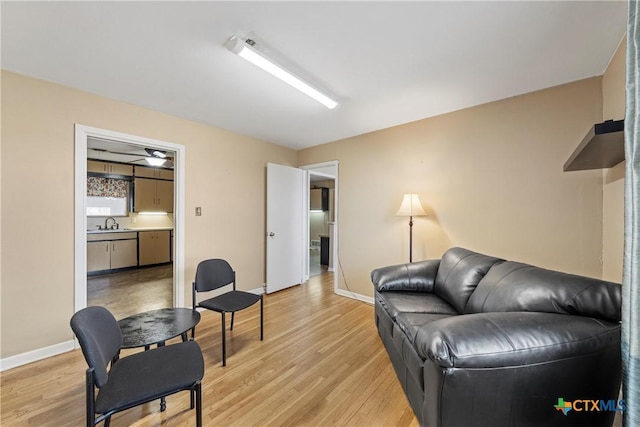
321	223
129	249
322	218
130	210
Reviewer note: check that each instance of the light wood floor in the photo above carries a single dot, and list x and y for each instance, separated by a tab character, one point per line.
321	364
132	291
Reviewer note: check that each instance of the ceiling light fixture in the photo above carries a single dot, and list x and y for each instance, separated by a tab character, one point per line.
154	161
157	157
245	49
156	153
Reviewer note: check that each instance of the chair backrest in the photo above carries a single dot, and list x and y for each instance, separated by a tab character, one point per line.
100	339
213	274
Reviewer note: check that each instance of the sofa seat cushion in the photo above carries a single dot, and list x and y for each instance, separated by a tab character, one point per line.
413	302
495	340
513	286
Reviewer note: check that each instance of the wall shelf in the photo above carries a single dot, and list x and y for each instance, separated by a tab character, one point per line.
602	147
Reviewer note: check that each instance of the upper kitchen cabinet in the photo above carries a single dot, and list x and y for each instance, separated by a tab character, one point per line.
95	166
319	199
153	189
152	195
157	173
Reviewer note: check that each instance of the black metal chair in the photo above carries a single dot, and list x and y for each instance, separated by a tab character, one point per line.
213	274
136	379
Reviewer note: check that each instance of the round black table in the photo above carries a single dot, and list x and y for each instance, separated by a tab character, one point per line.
157	326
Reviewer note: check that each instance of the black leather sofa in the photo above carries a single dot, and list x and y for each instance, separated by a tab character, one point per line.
480	341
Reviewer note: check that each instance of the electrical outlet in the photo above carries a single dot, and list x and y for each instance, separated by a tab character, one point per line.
198	211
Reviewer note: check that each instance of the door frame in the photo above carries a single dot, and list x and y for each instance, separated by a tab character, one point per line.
313	169
82	133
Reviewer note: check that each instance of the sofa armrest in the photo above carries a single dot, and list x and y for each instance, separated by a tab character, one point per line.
489	340
417	277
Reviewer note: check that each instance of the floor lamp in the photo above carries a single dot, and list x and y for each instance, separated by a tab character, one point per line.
411	207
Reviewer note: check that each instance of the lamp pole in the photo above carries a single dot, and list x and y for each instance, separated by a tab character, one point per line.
410	238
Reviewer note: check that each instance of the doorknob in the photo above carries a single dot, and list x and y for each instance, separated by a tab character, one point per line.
271	234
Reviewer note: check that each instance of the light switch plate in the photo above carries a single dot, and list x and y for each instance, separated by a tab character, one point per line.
198	211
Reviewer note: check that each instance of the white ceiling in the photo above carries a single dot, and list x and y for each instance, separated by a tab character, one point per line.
389	62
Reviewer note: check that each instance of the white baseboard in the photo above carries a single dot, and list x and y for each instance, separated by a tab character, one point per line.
359	297
54	350
35	355
257	291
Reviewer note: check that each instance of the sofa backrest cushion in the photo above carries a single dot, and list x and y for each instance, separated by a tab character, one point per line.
513	286
459	273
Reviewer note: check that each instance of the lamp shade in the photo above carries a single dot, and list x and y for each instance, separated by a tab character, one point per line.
411	206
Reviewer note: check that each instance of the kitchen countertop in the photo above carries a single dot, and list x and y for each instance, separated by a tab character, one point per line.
128	230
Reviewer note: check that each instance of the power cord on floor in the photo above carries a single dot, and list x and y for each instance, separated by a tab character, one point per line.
346	284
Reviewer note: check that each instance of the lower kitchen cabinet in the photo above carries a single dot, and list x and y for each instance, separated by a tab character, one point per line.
112	251
155	247
98	256
124	253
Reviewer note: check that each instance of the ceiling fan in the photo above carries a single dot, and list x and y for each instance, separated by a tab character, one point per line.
157	157
150	156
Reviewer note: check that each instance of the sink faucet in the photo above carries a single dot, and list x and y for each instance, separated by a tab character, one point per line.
106	222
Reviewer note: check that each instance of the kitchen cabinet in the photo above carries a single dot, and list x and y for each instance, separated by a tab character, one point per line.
109	251
109	168
155	247
319	199
98	256
124	253
157	173
153	195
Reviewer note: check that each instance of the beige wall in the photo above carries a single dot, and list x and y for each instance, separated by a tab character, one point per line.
490	176
613	107
225	174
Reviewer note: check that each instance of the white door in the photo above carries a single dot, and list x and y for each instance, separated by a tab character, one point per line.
285	226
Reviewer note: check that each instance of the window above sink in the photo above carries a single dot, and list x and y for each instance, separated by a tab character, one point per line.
107	196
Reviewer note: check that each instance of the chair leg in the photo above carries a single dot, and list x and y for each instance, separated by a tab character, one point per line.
90	398
233	313
199	405
224	342
261	319
107	421
192	393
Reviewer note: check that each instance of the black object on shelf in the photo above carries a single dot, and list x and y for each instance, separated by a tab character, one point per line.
602	147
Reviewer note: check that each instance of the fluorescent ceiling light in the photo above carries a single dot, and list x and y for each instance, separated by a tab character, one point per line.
245	50
154	161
